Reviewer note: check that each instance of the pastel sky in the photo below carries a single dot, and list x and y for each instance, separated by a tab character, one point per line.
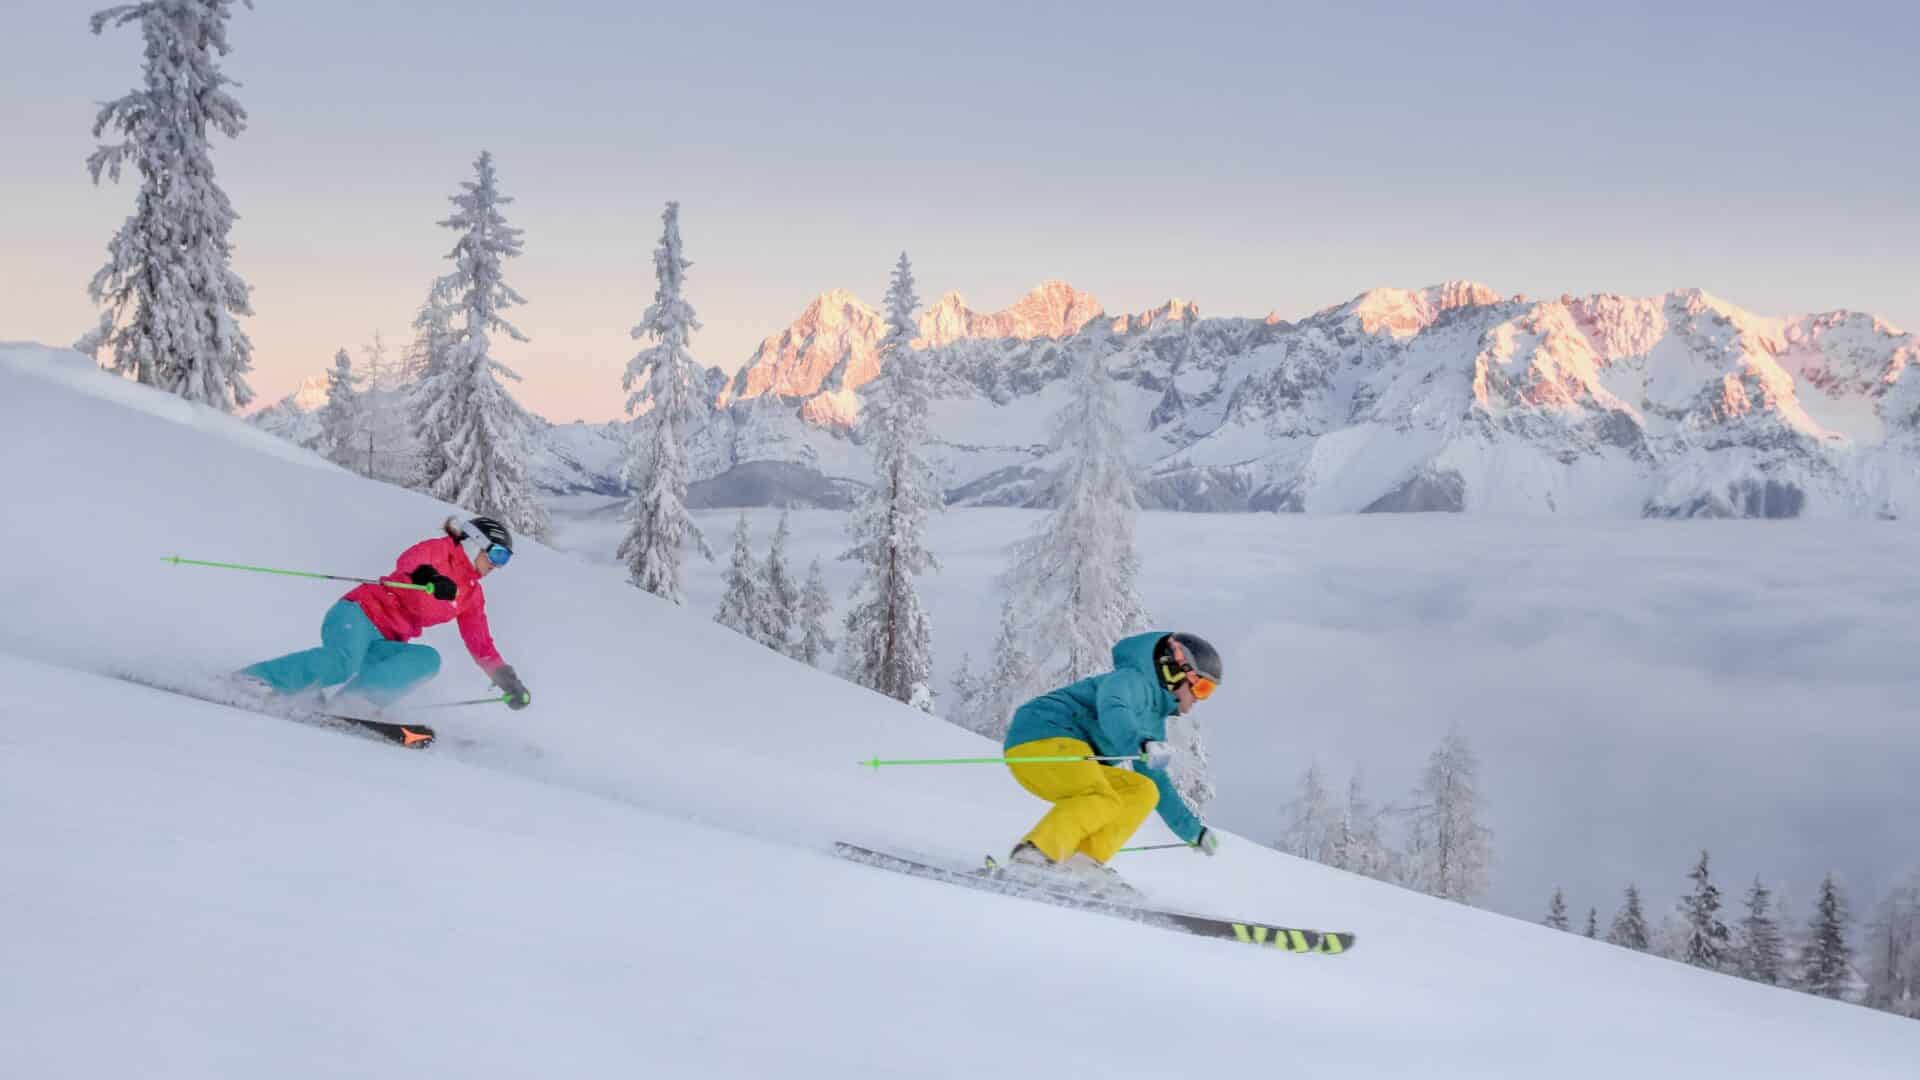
1251	157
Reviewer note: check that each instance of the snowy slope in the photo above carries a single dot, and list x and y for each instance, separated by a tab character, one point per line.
630	878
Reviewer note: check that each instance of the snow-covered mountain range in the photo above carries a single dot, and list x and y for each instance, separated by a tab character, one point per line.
1452	397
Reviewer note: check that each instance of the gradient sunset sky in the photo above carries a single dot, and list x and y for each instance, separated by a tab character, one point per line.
1251	157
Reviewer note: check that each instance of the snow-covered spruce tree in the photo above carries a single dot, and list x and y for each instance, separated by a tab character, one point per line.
816	608
1358	845
1556	911
1192	768
1892	950
742	606
1449	851
1074	579
476	425
780	610
426	361
1311	827
1706	935
964	701
1593	922
889	641
340	418
1629	929
1826	959
169	291
1758	954
386	448
1007	682
656	472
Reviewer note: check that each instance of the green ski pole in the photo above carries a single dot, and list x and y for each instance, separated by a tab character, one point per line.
178	561
470	701
1155	847
875	763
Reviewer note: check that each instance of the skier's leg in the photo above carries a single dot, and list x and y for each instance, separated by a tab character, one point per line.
1138	797
1084	801
345	635
393	668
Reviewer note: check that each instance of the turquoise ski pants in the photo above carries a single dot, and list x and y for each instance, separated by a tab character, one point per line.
353	652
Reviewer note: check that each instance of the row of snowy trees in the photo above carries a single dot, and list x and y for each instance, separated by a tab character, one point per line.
170	298
763	602
1435	842
1820	960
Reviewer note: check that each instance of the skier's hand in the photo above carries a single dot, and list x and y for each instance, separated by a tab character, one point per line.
1156	755
1208	842
518	696
442	585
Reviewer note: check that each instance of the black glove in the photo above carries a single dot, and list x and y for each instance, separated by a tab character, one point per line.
442	585
518	697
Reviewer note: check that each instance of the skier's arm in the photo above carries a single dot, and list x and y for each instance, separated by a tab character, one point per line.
472	621
1124	707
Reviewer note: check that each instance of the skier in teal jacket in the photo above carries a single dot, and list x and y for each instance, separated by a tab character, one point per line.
1122	714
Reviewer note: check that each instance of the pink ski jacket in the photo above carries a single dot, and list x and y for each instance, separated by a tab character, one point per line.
401	614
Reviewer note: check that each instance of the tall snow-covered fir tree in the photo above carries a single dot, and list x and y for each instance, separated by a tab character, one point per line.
889	641
340	418
1074	580
170	294
1826	960
1311	828
658	524
1758	952
1556	911
780	610
742	606
1629	929
1707	938
814	641
477	427
1449	851
426	361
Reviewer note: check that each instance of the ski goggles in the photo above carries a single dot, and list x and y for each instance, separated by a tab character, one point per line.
498	554
1200	685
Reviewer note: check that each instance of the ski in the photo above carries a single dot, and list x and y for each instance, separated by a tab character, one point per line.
409	736
1285	938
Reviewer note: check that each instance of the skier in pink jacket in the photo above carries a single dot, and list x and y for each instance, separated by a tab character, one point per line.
365	637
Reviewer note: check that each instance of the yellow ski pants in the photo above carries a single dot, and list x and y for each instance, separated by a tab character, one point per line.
1095	807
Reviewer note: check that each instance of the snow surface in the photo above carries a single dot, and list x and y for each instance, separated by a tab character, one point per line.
631	877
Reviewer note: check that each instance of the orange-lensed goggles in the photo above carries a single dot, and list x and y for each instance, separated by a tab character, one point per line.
1201	686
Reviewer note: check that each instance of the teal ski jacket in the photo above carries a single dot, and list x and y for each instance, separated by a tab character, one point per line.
1114	713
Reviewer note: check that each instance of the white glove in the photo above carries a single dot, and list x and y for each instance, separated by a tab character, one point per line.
1208	842
1156	755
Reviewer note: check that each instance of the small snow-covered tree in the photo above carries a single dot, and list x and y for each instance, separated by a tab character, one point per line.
781	609
1593	922
340	418
1449	851
1706	936
1758	953
657	470
1007	682
1556	911
1629	929
1826	960
1311	827
1892	949
742	607
169	290
426	362
967	688
478	428
889	640
1358	844
1074	579
816	607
